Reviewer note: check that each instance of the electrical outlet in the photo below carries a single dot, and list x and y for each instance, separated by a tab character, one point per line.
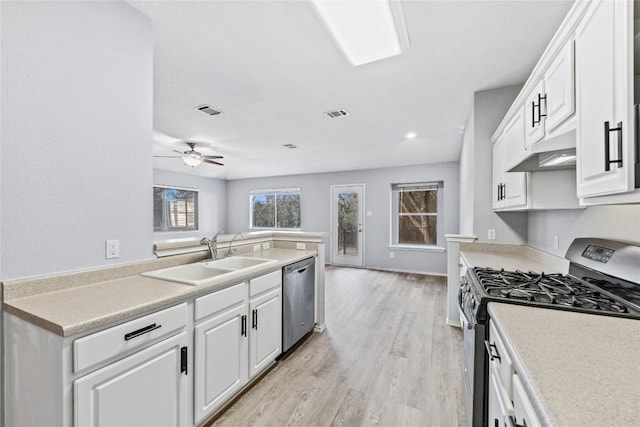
265	246
392	255
556	242
491	234
256	248
112	249
369	213
301	246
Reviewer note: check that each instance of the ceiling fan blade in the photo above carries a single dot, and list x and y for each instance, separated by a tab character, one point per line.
179	152
212	162
212	157
169	157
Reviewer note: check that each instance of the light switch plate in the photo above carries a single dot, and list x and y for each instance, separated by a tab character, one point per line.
256	248
556	242
301	246
392	255
265	246
491	234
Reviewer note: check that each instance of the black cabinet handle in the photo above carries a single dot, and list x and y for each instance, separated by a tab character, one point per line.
607	145
244	326
490	348
540	99
254	319
514	423
183	360
533	114
141	331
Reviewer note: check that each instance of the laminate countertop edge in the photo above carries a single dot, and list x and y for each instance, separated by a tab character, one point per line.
85	309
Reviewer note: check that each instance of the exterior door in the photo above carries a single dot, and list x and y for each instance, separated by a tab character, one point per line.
347	206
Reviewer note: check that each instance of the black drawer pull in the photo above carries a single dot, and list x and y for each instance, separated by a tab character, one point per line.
490	348
607	146
141	331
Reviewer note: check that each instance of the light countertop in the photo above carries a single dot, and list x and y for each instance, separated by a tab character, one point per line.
578	369
79	309
512	257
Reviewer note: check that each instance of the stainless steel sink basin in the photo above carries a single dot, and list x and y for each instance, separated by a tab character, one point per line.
202	273
238	262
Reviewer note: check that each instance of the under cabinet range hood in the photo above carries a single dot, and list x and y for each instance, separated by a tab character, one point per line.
551	154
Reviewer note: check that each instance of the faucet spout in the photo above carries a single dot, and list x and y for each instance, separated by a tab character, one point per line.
229	250
212	243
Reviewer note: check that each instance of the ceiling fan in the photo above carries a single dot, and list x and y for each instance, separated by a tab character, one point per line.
193	158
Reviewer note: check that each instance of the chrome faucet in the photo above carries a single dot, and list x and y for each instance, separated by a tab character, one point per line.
212	243
229	251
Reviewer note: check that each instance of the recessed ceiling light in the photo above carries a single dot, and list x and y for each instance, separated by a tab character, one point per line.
366	31
411	135
208	109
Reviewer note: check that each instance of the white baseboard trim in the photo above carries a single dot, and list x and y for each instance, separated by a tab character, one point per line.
393	270
454	324
320	328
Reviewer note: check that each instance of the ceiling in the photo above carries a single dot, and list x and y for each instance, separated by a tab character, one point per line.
273	69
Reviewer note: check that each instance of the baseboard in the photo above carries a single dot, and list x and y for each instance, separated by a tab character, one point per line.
393	270
320	328
454	324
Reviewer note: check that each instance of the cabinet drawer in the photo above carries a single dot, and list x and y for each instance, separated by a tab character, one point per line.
264	283
93	349
220	300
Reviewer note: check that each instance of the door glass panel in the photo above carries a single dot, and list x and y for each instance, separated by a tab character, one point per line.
348	224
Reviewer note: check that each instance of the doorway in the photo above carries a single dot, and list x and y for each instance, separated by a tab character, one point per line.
347	225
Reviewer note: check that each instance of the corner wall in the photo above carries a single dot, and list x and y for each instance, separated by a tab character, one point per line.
76	165
315	209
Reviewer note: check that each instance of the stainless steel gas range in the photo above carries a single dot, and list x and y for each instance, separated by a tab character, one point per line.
603	279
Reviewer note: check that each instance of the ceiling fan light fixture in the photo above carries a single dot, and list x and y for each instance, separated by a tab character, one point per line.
191	160
365	31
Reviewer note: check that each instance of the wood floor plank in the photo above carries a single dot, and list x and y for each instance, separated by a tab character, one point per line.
386	359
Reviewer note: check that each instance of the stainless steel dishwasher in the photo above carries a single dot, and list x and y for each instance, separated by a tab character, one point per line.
298	301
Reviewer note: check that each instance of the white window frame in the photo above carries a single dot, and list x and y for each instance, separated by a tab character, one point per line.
275	192
394	230
196	212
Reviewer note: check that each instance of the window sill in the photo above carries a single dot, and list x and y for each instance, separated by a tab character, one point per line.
417	248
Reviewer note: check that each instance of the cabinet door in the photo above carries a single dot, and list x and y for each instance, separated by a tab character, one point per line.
604	96
560	89
221	356
523	411
498	173
534	109
515	183
145	389
266	330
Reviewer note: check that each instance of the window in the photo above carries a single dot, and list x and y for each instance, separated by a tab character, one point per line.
415	214
275	208
175	209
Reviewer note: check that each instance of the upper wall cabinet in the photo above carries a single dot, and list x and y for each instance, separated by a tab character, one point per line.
604	78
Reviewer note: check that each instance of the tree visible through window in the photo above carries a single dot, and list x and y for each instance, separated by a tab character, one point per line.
275	209
417	214
175	209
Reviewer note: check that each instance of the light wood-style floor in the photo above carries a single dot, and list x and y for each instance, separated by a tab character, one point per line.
387	358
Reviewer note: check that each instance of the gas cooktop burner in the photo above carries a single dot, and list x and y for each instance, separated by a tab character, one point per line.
545	288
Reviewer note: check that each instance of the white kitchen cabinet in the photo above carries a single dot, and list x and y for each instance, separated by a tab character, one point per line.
523	412
509	188
221	348
148	388
559	89
238	334
604	100
534	107
265	342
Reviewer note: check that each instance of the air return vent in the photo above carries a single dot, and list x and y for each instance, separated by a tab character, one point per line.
336	113
208	109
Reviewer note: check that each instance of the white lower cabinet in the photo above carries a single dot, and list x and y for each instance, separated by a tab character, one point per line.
221	348
523	411
238	334
148	388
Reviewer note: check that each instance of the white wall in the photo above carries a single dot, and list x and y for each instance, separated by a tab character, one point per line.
609	222
76	163
212	202
489	107
315	208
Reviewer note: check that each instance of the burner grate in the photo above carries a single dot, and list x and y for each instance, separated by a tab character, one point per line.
544	288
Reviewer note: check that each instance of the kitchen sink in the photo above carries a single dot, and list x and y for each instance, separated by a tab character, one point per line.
206	272
238	262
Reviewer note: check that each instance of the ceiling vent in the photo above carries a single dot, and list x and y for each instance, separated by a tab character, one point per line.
208	109
336	113
290	146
